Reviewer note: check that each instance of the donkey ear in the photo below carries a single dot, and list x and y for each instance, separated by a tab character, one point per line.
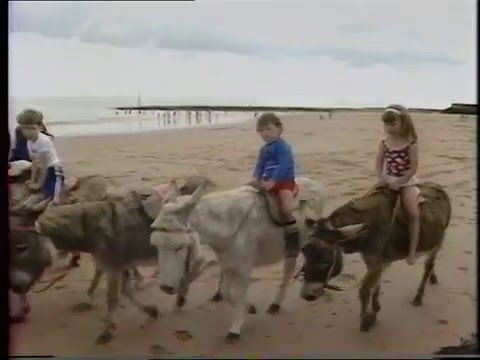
353	243
352	230
173	192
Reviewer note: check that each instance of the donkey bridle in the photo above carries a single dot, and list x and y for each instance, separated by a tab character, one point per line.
301	272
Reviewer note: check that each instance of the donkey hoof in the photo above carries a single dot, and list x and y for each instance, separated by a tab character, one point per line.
180	302
217	297
152	311
376	307
417	301
252	309
367	322
273	308
433	279
232	337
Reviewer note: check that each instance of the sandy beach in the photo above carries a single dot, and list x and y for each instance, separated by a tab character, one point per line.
338	151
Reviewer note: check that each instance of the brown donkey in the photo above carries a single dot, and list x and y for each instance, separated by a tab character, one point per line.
382	238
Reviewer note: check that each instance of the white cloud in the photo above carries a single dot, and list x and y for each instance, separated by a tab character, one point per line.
388	38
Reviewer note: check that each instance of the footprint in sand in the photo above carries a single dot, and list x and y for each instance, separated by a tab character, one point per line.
441	322
183	335
462	268
159	350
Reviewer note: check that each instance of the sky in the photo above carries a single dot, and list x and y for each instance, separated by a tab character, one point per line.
264	52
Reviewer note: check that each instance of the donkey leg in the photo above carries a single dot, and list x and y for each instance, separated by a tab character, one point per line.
127	290
236	296
89	304
288	270
369	318
433	276
219	293
181	297
375	298
427	272
94	283
113	299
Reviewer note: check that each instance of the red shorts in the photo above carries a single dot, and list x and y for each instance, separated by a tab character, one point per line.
285	185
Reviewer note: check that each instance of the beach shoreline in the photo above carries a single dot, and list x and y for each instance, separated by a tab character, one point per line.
340	153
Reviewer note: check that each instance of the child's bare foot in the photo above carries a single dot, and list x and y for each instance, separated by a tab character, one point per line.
411	259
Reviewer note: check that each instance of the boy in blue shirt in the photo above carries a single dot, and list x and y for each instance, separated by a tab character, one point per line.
275	173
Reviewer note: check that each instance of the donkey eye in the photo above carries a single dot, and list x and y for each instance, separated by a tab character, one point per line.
22	248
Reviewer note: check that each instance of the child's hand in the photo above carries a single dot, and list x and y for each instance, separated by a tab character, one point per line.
395	186
382	179
267	185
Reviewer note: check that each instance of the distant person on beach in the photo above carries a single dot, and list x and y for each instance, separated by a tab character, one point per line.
275	173
47	173
396	166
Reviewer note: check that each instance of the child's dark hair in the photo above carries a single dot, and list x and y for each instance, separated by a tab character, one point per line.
407	127
33	117
269	118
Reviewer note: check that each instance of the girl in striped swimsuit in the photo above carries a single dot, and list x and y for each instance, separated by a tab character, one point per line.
396	166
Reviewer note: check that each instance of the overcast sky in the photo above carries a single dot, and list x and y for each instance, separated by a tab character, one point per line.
302	52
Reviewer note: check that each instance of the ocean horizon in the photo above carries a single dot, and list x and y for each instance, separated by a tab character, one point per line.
75	116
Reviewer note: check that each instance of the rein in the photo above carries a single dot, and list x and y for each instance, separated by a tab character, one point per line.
334	262
301	272
54	280
23	228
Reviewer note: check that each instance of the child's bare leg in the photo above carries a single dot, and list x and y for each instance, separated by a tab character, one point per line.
30	202
410	202
42	205
292	235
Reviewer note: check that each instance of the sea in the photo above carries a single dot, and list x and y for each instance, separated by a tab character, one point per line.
93	116
74	116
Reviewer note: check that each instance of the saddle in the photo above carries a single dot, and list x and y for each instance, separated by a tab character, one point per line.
398	210
273	206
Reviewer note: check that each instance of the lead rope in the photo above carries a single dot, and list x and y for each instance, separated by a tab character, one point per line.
329	275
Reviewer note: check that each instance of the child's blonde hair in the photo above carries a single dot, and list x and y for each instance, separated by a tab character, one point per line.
269	118
407	129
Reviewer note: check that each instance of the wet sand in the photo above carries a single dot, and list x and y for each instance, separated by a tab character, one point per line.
340	152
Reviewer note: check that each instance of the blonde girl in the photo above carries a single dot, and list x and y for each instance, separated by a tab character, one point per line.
396	166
